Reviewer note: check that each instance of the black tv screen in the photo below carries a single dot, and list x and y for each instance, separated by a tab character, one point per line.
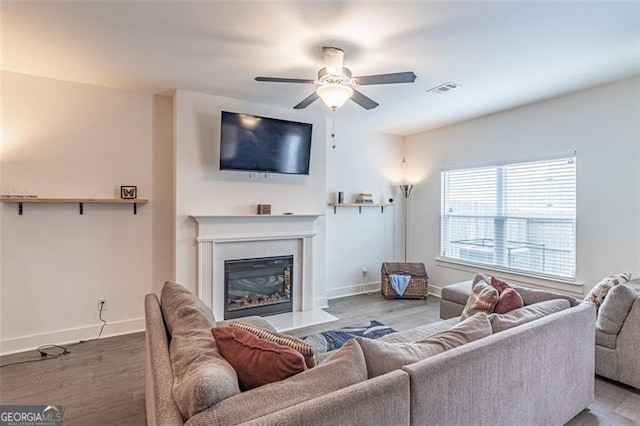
250	142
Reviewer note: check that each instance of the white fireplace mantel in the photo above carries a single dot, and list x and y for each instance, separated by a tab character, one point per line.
227	237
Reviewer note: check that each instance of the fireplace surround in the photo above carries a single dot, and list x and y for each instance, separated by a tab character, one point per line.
229	237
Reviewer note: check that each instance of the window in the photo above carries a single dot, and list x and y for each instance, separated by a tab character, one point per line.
520	216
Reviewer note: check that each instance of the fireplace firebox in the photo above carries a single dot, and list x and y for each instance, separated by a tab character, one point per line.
260	286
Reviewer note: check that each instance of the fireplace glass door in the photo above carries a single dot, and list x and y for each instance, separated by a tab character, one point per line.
261	286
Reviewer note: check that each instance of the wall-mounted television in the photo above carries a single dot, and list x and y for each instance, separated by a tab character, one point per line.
253	143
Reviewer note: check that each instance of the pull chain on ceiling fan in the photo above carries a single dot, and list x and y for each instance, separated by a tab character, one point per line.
335	83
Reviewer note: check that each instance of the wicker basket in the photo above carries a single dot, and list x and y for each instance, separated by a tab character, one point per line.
418	285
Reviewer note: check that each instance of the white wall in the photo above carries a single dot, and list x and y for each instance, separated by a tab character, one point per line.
202	189
67	140
601	125
363	161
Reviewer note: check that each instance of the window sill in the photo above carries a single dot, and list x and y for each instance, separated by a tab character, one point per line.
572	287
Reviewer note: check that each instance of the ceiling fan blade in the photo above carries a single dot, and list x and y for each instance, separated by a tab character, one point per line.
362	100
307	101
333	60
285	80
398	77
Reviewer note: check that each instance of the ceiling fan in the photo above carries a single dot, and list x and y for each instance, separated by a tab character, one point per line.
335	83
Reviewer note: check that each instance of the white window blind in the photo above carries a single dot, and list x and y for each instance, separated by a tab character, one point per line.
519	216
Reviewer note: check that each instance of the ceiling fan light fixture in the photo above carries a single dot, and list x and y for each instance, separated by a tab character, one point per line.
334	95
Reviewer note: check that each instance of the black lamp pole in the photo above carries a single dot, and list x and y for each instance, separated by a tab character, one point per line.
406	191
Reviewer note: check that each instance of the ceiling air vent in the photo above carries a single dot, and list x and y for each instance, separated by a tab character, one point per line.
444	88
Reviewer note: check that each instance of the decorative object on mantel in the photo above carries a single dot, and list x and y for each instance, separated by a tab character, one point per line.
340	197
128	192
264	208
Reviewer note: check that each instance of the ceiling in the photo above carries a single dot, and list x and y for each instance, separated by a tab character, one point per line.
503	54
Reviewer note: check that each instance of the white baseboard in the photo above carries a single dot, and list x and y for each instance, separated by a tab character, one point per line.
352	290
320	303
62	337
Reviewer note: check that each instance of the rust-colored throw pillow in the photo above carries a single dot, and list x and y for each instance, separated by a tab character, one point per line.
499	285
483	298
257	361
508	300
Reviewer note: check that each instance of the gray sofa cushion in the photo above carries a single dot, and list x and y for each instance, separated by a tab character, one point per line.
606	340
202	377
501	322
458	293
614	309
343	368
384	357
175	296
419	333
531	296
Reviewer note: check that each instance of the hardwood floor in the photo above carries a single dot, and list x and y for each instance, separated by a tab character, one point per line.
102	382
99	382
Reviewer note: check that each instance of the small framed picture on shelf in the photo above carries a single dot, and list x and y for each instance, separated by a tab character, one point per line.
128	192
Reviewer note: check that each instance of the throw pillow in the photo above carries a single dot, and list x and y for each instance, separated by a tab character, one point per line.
383	357
282	339
480	278
257	361
483	298
201	376
508	300
343	368
501	322
615	308
499	285
600	290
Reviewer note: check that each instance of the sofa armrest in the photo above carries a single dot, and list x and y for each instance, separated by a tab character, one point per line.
158	381
383	400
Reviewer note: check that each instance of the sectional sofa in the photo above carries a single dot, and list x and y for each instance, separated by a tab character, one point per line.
617	330
536	373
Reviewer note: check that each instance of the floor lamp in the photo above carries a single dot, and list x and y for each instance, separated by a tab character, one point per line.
406	191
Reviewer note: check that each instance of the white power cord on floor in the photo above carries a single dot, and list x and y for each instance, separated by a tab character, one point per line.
364	285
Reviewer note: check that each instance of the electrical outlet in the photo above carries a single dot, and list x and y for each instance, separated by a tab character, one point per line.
101	303
364	271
